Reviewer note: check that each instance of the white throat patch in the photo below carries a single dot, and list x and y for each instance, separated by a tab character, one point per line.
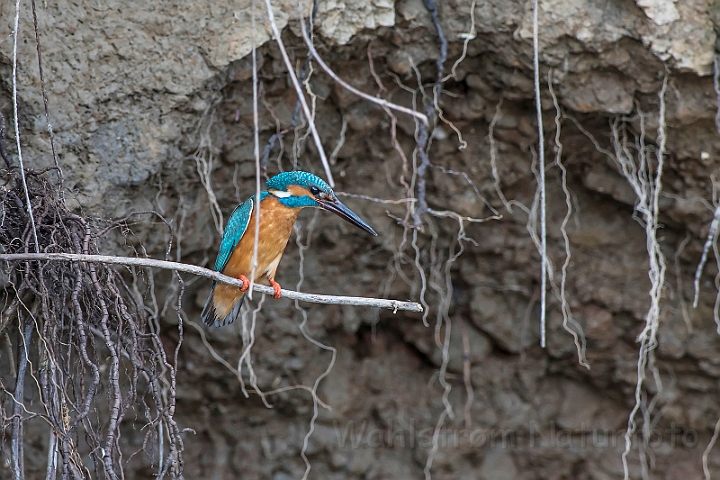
279	193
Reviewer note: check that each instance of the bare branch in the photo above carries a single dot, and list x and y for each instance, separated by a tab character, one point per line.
394	305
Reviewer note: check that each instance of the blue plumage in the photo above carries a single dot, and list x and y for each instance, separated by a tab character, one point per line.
238	222
234	230
224	302
302	179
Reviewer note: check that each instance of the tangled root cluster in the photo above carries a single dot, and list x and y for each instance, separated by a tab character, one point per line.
79	352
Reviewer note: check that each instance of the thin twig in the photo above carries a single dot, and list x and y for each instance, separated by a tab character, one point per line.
708	449
715	224
439	63
256	152
422	134
248	336
460	218
298	89
316	400
280	134
399	201
577	333
493	155
541	160
18	396
17	125
647	190
19	389
712	233
716	84
204	163
3	149
394	305
471	35
421	149
43	90
679	282
341	140
467	365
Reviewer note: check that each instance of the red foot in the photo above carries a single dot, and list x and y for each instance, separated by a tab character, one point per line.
246	283
276	287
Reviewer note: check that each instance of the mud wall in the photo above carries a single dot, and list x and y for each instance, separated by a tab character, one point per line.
152	108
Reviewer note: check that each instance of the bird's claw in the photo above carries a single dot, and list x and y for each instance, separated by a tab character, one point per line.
245	281
276	287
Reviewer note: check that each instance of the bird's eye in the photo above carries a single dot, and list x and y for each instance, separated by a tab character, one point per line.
314	190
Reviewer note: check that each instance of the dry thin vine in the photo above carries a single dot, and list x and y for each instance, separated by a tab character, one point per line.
87	359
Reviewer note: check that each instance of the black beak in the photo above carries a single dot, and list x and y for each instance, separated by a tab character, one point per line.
338	208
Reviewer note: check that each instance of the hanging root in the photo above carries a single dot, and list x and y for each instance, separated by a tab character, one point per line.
638	172
569	324
541	180
84	344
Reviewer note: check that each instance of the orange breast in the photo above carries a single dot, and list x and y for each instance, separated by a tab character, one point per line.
276	223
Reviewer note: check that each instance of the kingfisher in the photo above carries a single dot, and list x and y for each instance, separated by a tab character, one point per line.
280	204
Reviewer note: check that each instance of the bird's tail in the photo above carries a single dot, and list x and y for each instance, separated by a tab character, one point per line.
210	315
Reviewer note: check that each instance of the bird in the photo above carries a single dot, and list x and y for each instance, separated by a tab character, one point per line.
286	194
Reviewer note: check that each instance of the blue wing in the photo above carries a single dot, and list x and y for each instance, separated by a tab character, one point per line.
234	230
